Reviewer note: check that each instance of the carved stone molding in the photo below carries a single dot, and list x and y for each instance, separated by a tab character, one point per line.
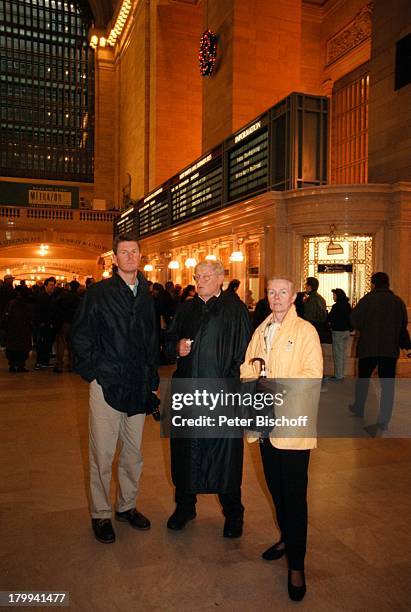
355	32
327	87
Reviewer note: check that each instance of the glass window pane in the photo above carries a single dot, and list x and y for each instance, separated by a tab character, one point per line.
44	113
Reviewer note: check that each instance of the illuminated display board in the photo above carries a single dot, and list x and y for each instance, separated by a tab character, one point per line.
153	213
285	148
127	222
248	161
199	188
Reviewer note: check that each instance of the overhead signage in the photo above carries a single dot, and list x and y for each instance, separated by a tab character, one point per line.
38	195
128	222
153	215
333	268
199	190
248	164
247	132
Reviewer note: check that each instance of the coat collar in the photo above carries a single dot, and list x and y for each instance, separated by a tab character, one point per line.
288	320
142	283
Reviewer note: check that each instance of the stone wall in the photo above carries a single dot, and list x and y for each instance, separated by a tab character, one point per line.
389	132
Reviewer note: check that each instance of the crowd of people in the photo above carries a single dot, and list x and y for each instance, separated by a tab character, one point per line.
39	318
119	330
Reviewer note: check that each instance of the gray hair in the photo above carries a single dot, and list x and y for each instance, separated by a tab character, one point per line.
216	266
282	278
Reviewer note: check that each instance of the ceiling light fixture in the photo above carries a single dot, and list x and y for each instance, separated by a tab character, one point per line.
334	248
190	262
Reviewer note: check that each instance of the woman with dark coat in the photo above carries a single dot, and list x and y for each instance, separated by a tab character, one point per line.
19	330
339	318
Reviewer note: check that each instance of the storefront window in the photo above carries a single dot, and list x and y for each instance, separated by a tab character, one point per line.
350	270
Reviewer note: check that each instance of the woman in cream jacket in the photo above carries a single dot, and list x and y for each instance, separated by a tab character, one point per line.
291	350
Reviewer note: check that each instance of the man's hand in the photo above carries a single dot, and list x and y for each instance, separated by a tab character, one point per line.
184	347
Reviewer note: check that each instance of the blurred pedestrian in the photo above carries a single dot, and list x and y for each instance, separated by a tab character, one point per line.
381	319
19	329
339	318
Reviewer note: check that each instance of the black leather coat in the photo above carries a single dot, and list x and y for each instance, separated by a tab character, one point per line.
221	331
114	340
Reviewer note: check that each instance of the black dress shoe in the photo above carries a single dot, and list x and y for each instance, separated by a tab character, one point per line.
103	530
296	593
135	518
233	527
179	519
274	552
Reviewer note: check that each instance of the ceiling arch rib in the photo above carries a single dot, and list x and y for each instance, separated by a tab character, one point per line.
102	11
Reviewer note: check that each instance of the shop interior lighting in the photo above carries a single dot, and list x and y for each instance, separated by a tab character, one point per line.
190	262
236	257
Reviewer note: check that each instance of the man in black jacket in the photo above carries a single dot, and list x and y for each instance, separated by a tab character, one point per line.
381	319
115	346
209	335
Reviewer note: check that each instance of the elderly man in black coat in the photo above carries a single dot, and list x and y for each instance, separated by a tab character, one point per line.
209	335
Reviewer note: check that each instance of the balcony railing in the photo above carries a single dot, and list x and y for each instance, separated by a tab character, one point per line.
58	214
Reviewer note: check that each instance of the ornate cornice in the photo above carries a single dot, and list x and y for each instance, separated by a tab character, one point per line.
353	34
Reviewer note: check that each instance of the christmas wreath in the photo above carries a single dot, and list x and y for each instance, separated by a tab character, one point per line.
208	53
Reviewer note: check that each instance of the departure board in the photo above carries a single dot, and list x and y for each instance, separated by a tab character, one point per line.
127	222
199	188
153	214
248	162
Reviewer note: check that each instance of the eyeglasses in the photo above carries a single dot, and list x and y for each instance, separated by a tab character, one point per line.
204	277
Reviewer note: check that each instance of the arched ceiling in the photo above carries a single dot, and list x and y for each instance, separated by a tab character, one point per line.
102	11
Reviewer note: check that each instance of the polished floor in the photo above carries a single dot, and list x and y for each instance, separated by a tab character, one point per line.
359	555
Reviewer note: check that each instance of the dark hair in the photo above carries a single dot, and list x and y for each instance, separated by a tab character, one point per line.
125	237
312	282
89	281
299	303
22	291
380	280
50	279
186	291
74	285
340	295
233	285
158	287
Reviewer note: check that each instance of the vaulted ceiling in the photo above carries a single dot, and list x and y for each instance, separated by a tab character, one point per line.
102	10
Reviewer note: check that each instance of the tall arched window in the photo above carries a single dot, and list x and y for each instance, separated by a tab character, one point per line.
46	90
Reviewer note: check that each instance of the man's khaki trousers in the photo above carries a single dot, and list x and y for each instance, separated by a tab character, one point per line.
106	427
